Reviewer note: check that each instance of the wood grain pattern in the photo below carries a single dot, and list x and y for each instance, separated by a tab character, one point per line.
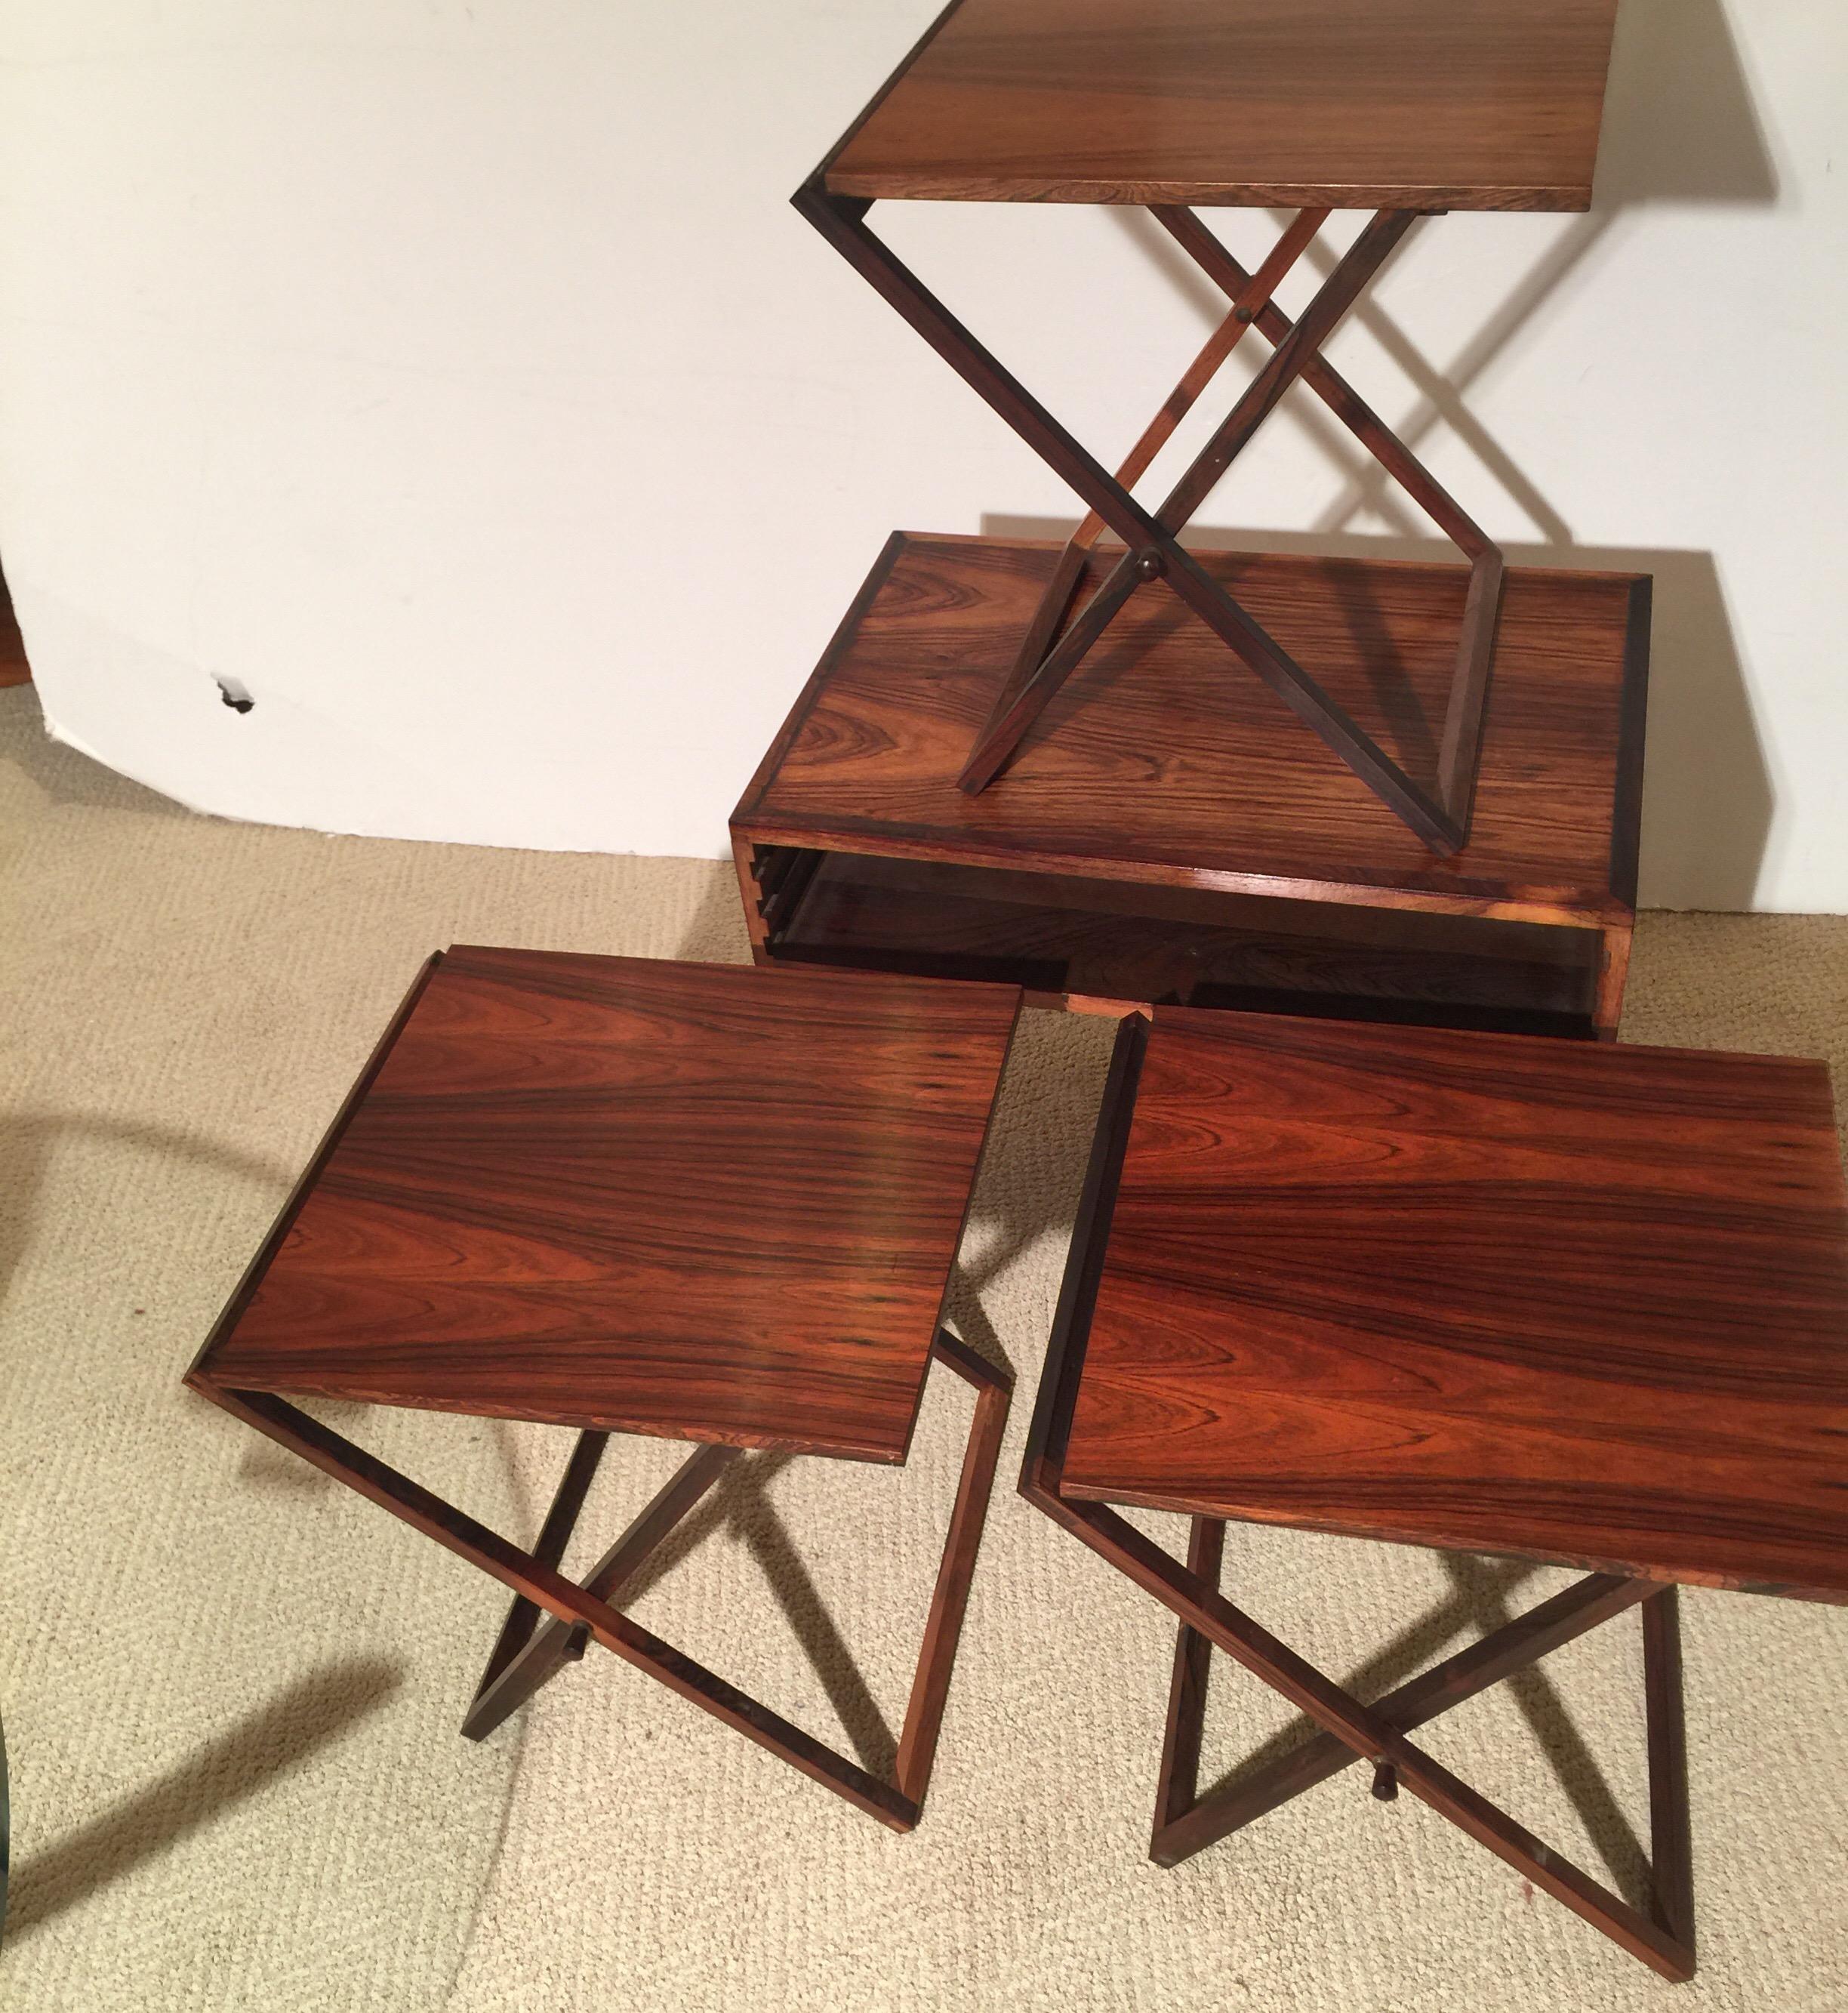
1160	760
695	1200
1584	1304
1406	104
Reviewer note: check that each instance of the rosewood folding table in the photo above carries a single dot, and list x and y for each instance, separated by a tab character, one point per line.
1581	1304
1173	835
1406	108
632	1195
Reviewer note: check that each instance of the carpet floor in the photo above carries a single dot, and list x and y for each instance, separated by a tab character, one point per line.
231	1689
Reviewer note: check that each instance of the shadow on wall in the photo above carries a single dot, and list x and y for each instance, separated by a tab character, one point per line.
1679	127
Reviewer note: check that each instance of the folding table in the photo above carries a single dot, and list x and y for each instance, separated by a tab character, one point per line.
632	1196
1405	108
1583	1304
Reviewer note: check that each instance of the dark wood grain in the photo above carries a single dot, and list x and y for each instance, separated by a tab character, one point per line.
1413	104
1016	705
1431	814
700	1201
1442	818
1161	761
1209	252
1584	1304
1671	1849
1177	1782
514	1643
949	1596
1159	552
1160	765
1195	1140
1373	245
1044	1462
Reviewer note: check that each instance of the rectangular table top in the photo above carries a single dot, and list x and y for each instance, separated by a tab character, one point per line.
1587	1304
697	1200
1164	758
1425	105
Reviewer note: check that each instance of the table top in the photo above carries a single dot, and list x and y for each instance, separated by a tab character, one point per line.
1425	104
1582	1303
696	1200
1164	759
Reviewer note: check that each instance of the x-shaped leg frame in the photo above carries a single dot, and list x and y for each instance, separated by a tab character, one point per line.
1663	1937
1185	1824
531	1649
1048	655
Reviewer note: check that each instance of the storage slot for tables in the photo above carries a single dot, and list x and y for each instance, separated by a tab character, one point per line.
1055	934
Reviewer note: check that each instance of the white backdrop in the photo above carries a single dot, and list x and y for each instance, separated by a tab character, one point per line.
457	379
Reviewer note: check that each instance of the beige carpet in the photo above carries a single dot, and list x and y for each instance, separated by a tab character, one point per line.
230	1688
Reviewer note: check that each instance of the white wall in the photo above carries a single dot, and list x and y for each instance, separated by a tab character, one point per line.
457	378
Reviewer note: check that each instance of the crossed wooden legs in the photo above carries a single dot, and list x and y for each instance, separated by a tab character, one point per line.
1153	537
528	1652
1663	1937
1186	1824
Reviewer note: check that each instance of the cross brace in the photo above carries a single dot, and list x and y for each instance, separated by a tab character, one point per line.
1047	657
1663	1937
528	1651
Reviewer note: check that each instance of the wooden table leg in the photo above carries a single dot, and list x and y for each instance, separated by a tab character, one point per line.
526	1656
505	1690
1178	1784
1365	1730
554	1534
1154	550
1671	1843
949	1599
1614	970
1035	676
1520	1643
